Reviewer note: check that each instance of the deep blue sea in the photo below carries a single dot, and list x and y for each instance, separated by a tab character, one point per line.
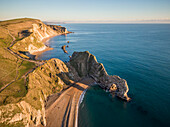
139	53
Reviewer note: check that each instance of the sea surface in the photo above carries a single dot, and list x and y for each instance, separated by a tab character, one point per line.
139	53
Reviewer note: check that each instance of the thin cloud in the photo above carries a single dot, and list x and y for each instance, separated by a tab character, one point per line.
115	21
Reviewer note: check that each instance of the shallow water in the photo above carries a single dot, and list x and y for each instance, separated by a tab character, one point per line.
139	53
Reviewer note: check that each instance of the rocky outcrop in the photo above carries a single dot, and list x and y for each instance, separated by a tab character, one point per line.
64	49
59	29
86	65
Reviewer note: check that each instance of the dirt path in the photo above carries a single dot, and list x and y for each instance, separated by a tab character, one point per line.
12	52
64	111
39	63
23	76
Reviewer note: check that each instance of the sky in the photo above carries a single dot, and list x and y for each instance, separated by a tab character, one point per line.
88	11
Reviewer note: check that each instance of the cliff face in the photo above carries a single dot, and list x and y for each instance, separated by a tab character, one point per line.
30	38
58	29
87	66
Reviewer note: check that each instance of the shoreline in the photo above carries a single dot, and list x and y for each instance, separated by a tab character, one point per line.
64	110
40	52
79	102
44	41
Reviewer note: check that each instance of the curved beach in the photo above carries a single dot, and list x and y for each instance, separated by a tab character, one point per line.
64	110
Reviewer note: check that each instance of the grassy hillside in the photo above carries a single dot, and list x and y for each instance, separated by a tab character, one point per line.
11	67
23	86
15	26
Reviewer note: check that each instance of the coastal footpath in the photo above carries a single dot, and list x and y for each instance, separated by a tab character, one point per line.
45	94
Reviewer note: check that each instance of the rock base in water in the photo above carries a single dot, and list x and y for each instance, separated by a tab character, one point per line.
86	65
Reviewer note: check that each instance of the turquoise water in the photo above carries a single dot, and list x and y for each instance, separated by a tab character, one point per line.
139	53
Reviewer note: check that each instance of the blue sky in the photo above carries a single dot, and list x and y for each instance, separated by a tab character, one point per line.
87	10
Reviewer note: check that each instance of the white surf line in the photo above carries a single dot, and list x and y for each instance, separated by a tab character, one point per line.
77	108
82	97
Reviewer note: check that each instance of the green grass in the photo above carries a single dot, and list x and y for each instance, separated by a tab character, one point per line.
9	65
5	38
25	67
7	60
22	91
18	89
17	39
16	124
8	69
14	92
15	21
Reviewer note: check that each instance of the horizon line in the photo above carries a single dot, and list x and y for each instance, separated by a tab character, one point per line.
105	22
154	21
133	21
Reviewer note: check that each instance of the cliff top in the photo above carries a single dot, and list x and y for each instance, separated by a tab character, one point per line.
15	21
18	25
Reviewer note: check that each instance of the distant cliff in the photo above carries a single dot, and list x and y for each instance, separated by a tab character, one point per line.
30	37
58	29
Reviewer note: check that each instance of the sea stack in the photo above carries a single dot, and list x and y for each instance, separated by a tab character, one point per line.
64	49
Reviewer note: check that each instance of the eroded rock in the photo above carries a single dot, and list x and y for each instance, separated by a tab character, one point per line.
64	49
86	65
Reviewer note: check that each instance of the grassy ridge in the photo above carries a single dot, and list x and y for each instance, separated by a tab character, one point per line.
30	91
11	67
